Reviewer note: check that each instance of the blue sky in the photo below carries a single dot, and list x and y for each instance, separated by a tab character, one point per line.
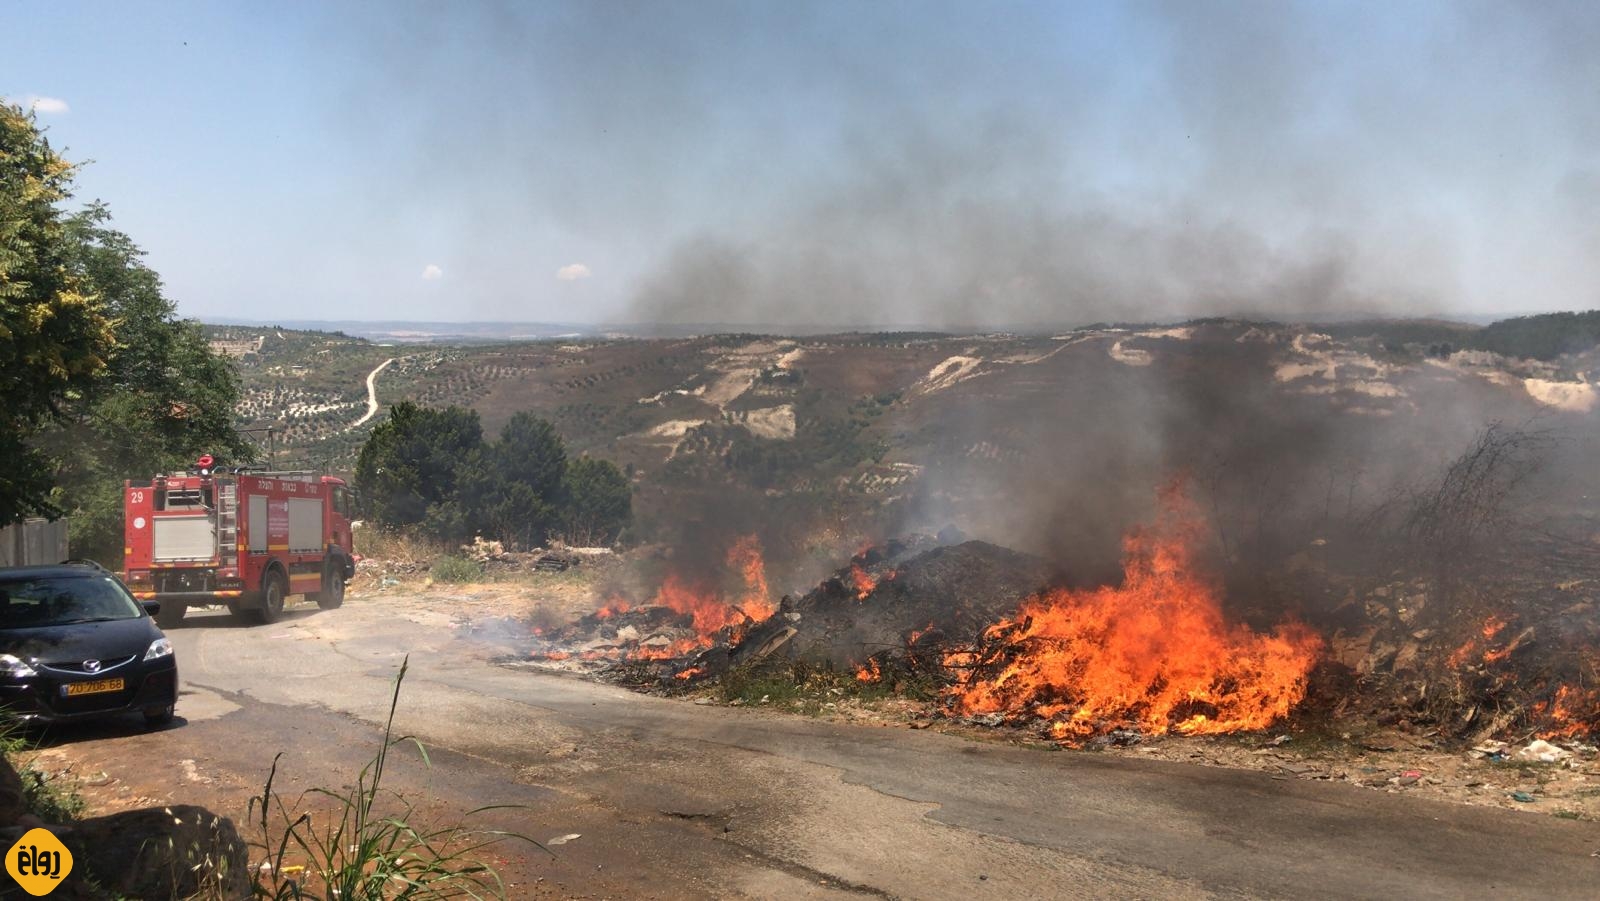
983	164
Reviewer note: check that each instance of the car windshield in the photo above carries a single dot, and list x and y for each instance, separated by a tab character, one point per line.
61	600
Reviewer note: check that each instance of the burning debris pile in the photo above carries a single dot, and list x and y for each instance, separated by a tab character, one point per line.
683	617
1511	655
905	593
1001	643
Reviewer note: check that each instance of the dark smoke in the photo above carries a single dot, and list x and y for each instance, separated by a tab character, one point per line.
996	166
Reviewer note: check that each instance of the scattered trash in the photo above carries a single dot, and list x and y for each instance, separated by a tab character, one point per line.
1280	740
986	719
1522	797
563	839
1541	751
1494	750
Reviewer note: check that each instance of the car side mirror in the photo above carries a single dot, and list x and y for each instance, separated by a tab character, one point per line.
151	607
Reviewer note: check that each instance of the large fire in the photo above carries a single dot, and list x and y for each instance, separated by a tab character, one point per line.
1154	653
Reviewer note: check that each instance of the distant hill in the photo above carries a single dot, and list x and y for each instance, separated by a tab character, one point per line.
861	434
1543	337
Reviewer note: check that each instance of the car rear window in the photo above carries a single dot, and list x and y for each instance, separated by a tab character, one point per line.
63	600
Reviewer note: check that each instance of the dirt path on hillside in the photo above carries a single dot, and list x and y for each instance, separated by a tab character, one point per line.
372	393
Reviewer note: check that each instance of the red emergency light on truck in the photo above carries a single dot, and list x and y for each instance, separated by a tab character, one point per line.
247	540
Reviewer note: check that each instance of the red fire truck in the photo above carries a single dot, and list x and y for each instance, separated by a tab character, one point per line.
244	539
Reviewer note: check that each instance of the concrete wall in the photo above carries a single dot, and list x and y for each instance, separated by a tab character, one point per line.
32	542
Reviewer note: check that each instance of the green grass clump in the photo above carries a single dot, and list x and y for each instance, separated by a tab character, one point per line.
453	569
370	847
41	796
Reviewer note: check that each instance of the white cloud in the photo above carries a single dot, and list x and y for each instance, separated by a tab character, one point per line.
572	272
432	273
47	105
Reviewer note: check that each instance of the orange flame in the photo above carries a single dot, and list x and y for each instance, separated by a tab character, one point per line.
1154	653
1572	712
745	555
710	610
689	673
862	581
1491	628
616	606
869	671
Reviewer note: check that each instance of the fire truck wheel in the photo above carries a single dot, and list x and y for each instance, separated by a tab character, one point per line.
171	613
272	592
332	593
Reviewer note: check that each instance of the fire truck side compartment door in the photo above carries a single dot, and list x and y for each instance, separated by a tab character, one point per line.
305	525
258	524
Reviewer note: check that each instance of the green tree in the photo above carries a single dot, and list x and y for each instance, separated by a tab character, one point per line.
430	469
599	501
531	453
409	468
54	335
163	399
513	489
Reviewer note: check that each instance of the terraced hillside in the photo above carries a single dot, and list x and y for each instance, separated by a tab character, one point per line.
1035	442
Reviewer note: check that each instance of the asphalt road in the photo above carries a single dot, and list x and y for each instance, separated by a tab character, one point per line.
674	799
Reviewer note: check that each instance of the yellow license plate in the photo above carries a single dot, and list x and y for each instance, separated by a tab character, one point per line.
99	686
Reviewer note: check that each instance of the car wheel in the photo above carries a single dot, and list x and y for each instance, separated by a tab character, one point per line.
171	613
332	594
272	594
159	716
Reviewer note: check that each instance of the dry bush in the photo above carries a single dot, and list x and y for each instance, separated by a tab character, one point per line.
398	547
1443	525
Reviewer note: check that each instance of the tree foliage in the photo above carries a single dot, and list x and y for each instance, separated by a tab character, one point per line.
104	381
432	470
162	400
54	334
408	467
599	501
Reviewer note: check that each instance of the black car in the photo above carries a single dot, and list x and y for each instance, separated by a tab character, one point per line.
74	644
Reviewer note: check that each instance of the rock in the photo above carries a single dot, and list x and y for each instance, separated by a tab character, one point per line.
1351	649
13	802
162	852
1380	659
